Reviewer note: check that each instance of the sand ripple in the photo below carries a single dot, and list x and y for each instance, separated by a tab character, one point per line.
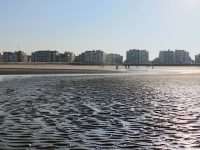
100	113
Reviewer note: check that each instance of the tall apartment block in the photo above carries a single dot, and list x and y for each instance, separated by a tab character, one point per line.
92	57
44	56
114	59
182	57
177	57
137	57
166	57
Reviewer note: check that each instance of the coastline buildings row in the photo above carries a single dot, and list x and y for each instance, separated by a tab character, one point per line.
52	56
13	57
177	57
93	57
99	57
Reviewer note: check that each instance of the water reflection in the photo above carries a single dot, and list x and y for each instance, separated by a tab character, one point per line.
117	112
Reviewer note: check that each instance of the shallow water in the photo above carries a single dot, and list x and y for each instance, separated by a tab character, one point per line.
100	112
158	70
121	72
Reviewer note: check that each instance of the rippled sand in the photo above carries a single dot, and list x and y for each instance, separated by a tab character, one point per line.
109	112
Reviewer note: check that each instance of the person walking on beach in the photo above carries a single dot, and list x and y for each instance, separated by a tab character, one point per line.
117	67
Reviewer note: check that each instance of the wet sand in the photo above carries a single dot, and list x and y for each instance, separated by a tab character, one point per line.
52	69
100	112
42	68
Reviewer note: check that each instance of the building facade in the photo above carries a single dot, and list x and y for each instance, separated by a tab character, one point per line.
144	57
137	57
114	59
197	59
45	56
166	57
89	57
21	56
18	56
181	57
9	57
1	58
29	58
67	57
177	57
100	57
94	57
79	58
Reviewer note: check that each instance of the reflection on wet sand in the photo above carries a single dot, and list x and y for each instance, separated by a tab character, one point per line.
104	112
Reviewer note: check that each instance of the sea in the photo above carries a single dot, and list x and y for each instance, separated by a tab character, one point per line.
139	108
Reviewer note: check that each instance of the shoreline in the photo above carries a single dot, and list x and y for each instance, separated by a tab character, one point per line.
20	69
24	71
16	69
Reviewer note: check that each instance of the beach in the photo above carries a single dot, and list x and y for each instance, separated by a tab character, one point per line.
45	68
39	68
100	112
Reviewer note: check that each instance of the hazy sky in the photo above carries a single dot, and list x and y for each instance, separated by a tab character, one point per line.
109	25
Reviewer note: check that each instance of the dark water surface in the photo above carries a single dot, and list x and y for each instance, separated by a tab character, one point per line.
159	112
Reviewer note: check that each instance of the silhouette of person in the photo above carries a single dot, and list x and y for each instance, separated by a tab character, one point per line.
117	67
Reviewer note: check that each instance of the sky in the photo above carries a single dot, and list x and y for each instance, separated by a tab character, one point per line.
114	26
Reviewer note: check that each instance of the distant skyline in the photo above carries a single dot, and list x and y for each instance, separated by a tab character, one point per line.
113	26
